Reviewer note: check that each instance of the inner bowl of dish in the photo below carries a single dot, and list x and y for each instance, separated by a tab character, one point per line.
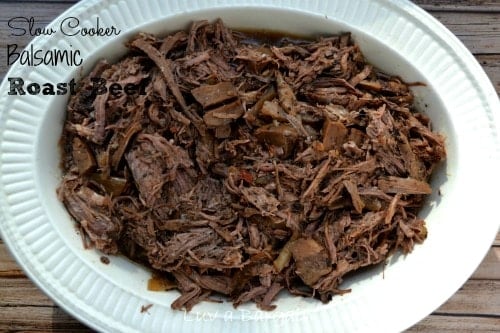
377	53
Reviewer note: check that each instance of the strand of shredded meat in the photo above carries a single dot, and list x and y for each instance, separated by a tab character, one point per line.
247	167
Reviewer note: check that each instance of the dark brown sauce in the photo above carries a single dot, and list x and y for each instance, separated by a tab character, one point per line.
272	37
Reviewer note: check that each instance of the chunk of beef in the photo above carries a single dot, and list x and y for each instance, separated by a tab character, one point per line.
83	156
210	95
311	260
92	210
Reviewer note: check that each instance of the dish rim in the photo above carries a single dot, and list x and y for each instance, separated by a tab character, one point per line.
482	82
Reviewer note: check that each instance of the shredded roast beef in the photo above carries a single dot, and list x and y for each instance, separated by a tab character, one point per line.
243	167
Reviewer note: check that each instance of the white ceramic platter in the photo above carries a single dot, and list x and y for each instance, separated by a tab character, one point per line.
396	36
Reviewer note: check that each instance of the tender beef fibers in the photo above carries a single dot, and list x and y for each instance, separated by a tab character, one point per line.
247	167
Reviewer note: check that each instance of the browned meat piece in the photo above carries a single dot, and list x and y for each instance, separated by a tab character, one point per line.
264	201
392	86
356	136
311	260
268	95
92	210
220	117
209	95
171	41
252	294
112	185
147	172
83	156
334	134
404	186
286	95
155	162
164	65
176	248
361	75
283	136
223	115
391	210
180	224
247	166
357	202
217	283
257	58
191	291
272	292
414	165
274	111
121	141
322	172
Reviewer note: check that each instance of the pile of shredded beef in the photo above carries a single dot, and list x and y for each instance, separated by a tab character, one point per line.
247	166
